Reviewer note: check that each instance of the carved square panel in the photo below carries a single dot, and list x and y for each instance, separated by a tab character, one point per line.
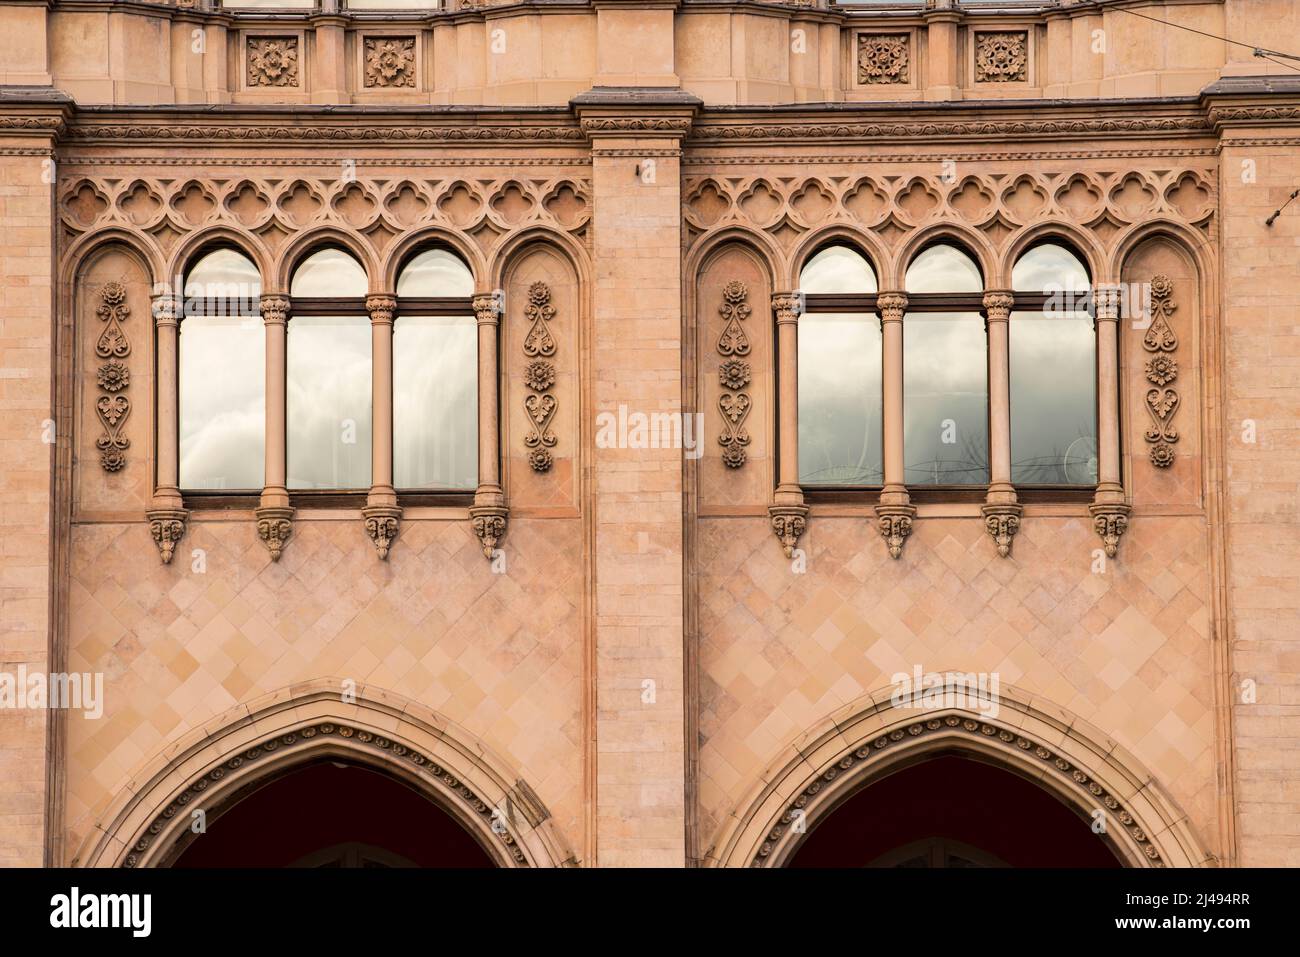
1002	56
883	64
274	62
390	62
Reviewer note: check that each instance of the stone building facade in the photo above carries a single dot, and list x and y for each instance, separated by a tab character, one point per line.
614	652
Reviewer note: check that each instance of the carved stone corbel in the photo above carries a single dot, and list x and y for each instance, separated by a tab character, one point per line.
274	527
167	526
1002	522
382	522
895	522
789	523
489	523
1110	521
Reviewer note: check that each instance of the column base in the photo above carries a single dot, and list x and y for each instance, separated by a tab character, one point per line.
274	526
167	526
1002	520
489	525
895	523
382	522
789	523
1110	521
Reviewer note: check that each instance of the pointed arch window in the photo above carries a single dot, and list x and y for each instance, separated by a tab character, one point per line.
839	371
435	375
221	375
328	374
1053	370
945	370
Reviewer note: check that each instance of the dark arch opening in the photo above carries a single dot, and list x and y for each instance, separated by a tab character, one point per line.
953	811
332	814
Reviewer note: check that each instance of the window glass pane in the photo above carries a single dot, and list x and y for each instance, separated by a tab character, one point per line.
840	412
329	272
435	402
837	269
329	402
945	399
1053	399
943	268
435	272
227	275
222	402
1048	267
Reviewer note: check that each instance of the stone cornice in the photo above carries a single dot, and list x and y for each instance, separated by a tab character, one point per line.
358	125
1253	101
37	112
957	120
637	112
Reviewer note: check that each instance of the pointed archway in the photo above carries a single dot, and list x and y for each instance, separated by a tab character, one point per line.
251	748
329	814
953	810
1094	777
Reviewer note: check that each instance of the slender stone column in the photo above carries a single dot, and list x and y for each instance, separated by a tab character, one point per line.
788	513
489	510
895	512
167	514
381	514
1001	511
1109	510
274	512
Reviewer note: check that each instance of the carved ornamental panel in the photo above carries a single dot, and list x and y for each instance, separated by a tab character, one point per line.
272	61
883	58
1002	57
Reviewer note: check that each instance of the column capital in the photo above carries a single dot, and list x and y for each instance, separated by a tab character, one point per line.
1105	302
275	309
788	306
997	304
488	307
381	307
892	305
167	310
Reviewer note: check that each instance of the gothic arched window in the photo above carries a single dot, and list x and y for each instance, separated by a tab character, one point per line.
328	374
222	378
435	375
1053	371
839	371
945	370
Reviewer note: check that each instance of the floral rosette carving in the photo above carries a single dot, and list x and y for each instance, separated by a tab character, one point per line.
390	61
272	61
734	374
1001	57
1161	370
882	58
113	406
539	377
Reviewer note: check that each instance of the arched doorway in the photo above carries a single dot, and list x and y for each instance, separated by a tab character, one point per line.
330	813
952	811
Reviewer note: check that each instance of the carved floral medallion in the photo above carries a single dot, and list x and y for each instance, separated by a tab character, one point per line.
1161	369
882	58
1001	57
113	406
390	62
272	61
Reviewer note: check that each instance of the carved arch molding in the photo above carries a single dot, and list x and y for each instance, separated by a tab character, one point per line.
998	206
443	762
1145	827
266	214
